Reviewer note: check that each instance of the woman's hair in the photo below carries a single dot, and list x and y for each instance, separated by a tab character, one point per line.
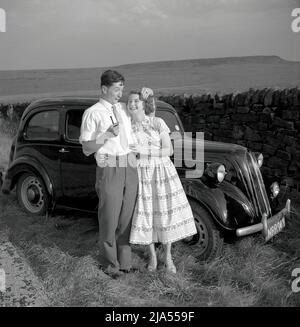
149	103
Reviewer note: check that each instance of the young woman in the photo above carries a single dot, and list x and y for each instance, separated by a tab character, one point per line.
162	212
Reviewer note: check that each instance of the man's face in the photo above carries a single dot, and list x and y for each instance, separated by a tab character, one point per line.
113	93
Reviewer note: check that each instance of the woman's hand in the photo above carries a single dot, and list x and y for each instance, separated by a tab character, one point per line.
135	147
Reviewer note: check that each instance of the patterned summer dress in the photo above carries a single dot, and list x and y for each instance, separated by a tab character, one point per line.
162	212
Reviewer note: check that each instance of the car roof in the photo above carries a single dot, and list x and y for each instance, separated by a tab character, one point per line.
78	101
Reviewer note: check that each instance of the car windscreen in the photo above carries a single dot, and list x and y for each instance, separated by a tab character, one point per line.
170	119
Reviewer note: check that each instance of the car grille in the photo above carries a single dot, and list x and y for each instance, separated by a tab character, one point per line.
257	187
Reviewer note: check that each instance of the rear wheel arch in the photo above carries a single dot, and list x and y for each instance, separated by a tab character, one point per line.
27	168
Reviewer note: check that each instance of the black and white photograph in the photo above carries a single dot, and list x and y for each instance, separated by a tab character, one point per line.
150	156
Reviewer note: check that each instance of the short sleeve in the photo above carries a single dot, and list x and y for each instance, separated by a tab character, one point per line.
90	126
160	125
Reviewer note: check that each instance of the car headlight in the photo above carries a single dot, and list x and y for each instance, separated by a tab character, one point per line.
221	173
259	158
275	189
216	171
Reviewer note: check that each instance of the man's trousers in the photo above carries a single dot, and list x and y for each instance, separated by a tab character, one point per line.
117	192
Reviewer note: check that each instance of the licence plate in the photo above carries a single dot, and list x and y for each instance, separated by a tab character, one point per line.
274	225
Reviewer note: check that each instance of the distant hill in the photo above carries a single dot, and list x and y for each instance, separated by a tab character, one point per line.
208	62
178	76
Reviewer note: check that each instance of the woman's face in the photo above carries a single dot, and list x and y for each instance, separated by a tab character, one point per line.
135	107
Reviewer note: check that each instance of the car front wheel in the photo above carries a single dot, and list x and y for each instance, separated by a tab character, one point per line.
32	194
208	242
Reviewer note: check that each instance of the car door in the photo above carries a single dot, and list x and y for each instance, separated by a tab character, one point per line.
78	171
40	141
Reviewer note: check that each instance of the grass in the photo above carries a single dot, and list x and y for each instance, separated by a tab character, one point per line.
62	250
190	76
7	131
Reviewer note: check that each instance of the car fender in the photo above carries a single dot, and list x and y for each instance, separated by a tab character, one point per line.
212	199
235	194
27	164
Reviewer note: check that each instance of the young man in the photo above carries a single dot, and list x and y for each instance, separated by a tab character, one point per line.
106	131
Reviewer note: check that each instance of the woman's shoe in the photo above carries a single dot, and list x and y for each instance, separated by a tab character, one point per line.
170	266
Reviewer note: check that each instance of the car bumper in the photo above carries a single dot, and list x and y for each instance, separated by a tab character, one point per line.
269	227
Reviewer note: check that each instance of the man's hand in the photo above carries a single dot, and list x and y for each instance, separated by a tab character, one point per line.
113	130
90	147
146	92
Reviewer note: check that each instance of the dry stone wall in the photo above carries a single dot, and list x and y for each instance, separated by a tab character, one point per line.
265	121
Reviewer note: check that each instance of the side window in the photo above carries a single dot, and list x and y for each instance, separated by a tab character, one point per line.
169	118
73	123
43	125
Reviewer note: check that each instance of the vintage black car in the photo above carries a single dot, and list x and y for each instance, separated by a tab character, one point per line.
48	169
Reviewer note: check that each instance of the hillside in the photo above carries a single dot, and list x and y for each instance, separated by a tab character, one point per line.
189	76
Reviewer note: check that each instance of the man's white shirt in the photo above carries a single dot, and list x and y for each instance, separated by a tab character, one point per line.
96	120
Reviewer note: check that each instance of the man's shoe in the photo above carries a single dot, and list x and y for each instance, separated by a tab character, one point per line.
131	270
111	272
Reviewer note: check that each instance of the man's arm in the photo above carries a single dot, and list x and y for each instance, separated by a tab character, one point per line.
93	146
90	147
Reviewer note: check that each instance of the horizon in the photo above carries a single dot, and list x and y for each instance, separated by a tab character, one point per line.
155	61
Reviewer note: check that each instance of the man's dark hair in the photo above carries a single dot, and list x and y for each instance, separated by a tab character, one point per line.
111	76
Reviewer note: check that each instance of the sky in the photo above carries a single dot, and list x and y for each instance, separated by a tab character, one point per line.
42	34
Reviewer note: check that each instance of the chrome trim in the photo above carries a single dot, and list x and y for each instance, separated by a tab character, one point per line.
262	226
260	196
63	150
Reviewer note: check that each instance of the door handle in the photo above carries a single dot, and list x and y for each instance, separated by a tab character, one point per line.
63	150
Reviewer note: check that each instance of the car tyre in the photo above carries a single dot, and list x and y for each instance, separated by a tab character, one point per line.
32	194
208	241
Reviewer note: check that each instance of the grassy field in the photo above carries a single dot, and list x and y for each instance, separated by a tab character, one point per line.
181	76
62	251
7	130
